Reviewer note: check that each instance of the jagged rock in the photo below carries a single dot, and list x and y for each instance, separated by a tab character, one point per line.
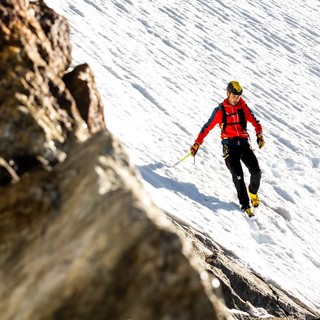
81	84
39	118
57	33
245	293
84	242
37	114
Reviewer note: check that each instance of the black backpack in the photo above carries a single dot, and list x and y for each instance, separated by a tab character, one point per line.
242	118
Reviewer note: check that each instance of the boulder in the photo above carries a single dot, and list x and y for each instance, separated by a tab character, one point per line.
81	84
84	241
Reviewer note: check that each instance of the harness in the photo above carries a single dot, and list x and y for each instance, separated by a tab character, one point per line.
225	123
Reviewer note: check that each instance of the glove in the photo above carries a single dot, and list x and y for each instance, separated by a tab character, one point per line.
194	148
260	140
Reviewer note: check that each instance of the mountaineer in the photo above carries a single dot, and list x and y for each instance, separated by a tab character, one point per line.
232	116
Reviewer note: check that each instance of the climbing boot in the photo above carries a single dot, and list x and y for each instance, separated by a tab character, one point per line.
248	210
254	199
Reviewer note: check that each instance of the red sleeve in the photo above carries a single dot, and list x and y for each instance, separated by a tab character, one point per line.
215	118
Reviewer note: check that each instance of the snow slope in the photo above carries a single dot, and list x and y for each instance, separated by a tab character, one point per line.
162	66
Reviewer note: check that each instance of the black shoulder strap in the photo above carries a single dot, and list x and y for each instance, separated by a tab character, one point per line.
242	119
224	117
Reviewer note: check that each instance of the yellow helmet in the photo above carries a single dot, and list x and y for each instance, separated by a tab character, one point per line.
234	87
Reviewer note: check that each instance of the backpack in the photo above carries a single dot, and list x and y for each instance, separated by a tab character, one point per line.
242	118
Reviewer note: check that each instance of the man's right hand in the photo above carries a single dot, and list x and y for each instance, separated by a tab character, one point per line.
194	148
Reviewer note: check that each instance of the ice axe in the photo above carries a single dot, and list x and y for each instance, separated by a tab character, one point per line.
182	159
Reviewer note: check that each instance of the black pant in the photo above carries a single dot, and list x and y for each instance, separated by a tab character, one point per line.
234	154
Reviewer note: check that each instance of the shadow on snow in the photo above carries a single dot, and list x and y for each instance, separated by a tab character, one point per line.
187	189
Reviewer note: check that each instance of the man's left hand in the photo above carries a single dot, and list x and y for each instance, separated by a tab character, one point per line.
260	140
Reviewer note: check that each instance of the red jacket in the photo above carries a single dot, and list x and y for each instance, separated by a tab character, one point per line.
232	128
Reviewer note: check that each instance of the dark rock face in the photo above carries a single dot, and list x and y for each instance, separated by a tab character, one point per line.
56	31
39	117
79	238
247	294
83	241
80	82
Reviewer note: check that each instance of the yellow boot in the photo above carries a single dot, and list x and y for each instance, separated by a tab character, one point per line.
249	212
254	199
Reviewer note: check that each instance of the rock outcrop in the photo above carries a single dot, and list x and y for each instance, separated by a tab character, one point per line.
80	83
246	294
39	119
79	237
84	242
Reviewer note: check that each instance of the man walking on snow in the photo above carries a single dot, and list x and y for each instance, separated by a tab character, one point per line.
232	116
